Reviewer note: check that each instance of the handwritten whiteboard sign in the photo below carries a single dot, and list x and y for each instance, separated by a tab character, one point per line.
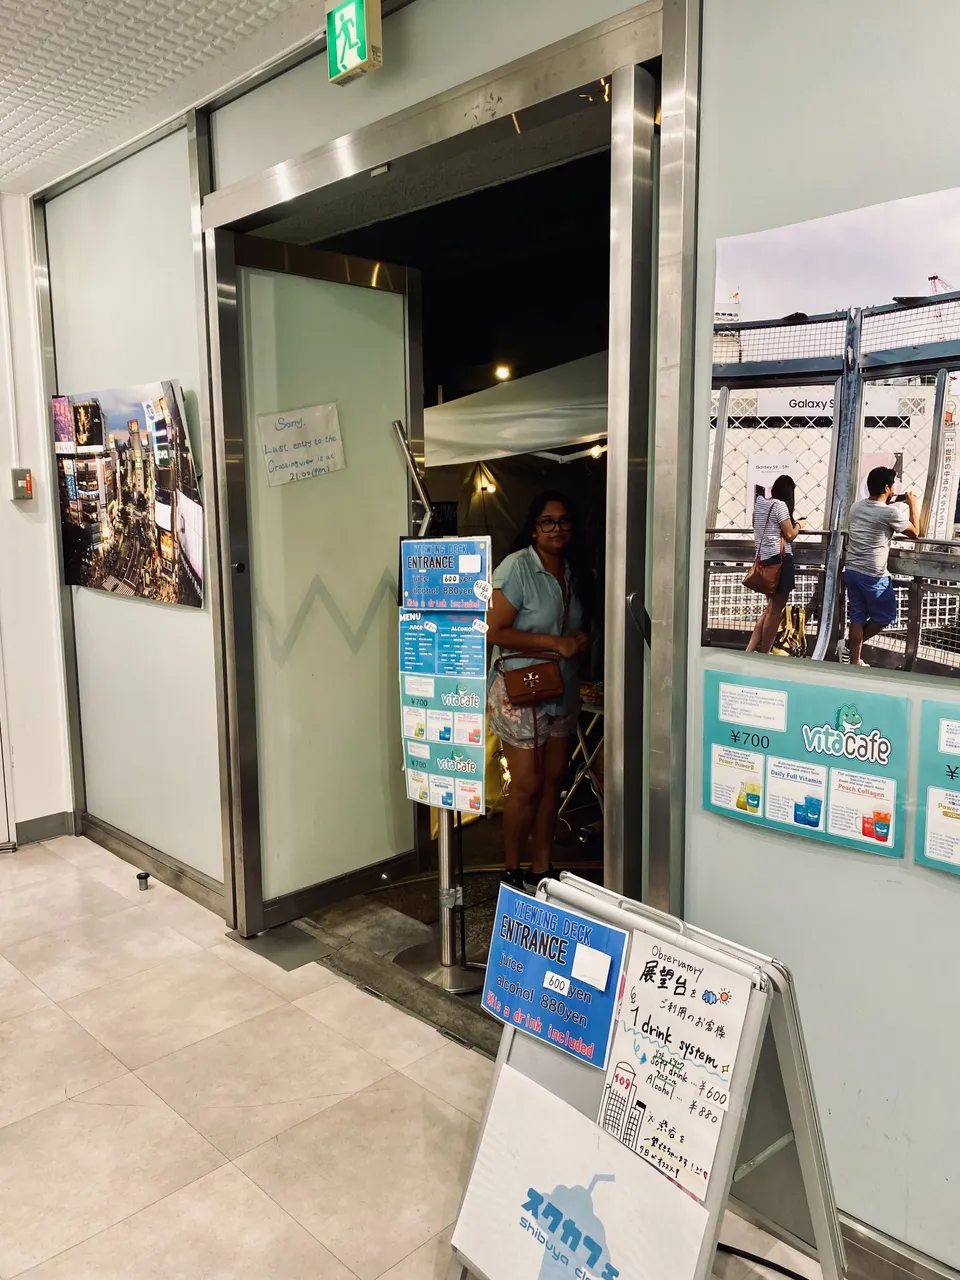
674	1049
301	443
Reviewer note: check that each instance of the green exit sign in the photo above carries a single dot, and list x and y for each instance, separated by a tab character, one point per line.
354	39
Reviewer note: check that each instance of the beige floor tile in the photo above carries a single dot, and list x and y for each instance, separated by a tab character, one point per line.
374	1177
34	908
259	1078
44	1058
17	994
83	956
28	865
376	1026
290	984
430	1262
148	1015
174	911
459	1076
102	865
76	850
87	1163
221	1227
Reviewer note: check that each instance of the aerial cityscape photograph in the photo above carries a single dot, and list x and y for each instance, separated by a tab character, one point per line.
130	507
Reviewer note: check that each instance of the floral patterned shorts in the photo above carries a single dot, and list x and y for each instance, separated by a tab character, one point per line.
523	727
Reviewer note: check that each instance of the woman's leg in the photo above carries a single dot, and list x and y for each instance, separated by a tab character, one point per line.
556	760
520	807
754	640
771	622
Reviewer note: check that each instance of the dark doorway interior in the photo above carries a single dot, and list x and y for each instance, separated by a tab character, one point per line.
514	275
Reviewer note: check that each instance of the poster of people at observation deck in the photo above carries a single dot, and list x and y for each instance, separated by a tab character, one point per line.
832	500
130	507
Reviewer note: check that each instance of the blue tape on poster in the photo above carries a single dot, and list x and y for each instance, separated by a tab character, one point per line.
554	974
445	573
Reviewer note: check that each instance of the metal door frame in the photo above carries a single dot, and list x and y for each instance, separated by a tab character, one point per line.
614	49
228	252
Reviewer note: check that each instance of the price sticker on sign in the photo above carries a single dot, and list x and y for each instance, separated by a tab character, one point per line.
674	1049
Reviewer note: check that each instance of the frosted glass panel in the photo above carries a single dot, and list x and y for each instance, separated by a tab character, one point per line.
124	314
323	559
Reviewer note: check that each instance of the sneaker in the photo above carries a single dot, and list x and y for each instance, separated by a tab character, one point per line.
532	878
515	879
843	652
861	663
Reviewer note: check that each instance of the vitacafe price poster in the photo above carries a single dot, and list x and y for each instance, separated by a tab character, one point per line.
820	761
674	1049
443	671
938	787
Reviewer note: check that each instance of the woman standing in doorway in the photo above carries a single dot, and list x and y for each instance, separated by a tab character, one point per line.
774	529
541	604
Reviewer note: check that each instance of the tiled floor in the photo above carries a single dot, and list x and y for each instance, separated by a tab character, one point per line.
174	1106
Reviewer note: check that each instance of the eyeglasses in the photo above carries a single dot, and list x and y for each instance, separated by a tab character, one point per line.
548	525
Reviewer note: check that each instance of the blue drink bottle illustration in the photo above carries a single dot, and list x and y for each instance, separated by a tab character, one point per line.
576	1238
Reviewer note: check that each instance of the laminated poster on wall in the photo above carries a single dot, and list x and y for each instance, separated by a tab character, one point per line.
299	444
818	760
131	512
554	1197
674	1050
938	787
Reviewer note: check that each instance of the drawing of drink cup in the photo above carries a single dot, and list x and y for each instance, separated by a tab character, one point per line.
881	825
800	812
814	807
866	825
752	796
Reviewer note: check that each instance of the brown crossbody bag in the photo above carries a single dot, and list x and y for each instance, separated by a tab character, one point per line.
765	578
538	682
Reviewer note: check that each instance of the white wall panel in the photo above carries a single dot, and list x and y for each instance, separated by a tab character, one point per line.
808	110
121	265
430	46
29	571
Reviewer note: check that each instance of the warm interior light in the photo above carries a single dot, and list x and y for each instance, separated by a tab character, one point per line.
596	451
503	372
489	486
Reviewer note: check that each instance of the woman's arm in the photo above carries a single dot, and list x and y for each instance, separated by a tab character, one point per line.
790	528
502	632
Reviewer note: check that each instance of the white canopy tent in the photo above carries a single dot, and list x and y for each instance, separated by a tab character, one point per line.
558	407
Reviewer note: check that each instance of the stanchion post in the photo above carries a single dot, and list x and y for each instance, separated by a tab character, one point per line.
441	964
448	889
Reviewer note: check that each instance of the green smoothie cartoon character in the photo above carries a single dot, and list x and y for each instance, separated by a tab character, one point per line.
849	719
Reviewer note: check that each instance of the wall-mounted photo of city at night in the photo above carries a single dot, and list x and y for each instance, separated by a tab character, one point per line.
130	508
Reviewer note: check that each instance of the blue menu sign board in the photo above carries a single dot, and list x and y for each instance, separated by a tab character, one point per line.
820	761
443	698
938	787
555	974
445	574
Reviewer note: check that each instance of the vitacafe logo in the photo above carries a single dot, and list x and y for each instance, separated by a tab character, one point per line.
462	698
456	762
845	739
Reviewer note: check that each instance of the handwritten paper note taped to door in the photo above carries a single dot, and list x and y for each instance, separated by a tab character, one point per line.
299	444
674	1048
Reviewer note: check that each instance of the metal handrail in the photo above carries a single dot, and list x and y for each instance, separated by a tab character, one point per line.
416	478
